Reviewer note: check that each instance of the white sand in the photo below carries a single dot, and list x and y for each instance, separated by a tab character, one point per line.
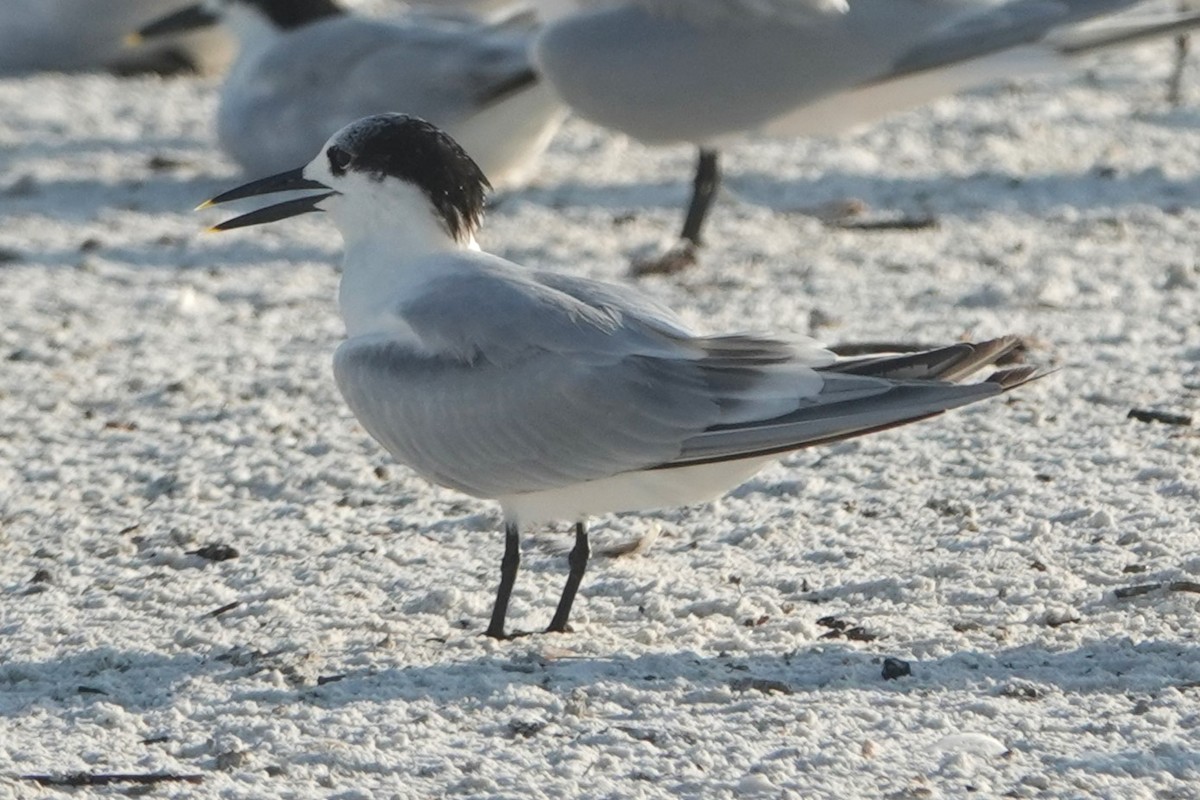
162	391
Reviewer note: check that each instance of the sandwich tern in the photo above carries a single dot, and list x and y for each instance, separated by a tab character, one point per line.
703	72
66	35
562	397
306	68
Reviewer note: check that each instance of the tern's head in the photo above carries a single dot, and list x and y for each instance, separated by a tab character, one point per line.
387	175
246	15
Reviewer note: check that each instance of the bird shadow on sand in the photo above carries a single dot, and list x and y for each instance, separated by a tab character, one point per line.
140	680
967	196
1027	672
131	678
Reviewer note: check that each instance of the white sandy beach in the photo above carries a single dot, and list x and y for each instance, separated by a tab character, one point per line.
162	391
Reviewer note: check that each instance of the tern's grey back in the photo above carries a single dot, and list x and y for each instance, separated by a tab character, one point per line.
670	79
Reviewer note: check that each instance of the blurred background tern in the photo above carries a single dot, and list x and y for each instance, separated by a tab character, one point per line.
73	35
305	68
705	72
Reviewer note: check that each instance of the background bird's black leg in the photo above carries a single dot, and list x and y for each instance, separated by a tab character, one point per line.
1175	81
508	576
578	561
704	191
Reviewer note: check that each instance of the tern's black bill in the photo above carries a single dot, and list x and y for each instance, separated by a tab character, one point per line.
290	181
290	208
186	19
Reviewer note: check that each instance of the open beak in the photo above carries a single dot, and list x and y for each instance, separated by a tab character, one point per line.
186	19
290	181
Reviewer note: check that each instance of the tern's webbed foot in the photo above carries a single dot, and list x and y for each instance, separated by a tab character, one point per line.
501	636
680	257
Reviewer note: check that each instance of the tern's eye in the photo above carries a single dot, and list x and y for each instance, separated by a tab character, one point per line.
339	159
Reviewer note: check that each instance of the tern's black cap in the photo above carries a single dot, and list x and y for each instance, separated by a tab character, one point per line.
411	149
289	14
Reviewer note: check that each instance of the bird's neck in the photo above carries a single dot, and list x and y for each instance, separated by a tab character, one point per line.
392	252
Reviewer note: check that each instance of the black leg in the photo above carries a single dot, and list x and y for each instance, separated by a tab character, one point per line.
578	561
683	254
508	576
704	189
1175	82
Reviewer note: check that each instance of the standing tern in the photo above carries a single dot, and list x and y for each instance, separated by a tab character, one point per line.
707	71
65	35
562	397
306	68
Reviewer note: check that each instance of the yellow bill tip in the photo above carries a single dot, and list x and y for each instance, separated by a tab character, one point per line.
133	39
204	205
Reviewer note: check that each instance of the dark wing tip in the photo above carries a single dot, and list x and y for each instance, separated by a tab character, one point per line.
1008	379
951	363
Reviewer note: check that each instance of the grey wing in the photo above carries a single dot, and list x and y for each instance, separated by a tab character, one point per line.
847	406
744	11
1008	25
533	388
541	422
864	395
600	294
514	311
549	420
643	310
442	71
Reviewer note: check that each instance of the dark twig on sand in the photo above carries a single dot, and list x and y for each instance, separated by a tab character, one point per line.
885	224
224	609
1127	592
103	779
1165	417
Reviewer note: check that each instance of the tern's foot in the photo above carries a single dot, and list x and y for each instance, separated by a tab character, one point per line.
680	257
565	628
501	636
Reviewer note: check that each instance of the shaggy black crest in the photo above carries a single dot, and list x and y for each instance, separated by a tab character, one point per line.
413	150
295	13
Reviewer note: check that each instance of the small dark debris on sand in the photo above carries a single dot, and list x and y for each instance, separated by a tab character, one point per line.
1126	592
840	629
894	668
86	779
871	224
760	685
215	552
1165	417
